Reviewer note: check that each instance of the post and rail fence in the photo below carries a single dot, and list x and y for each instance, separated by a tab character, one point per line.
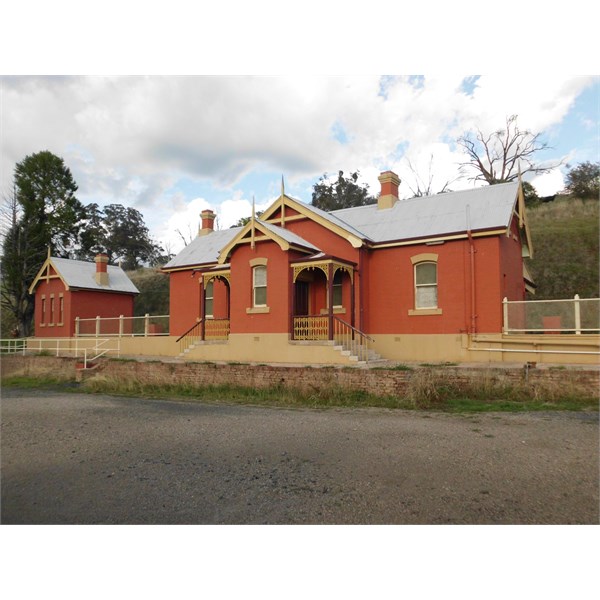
571	316
87	350
144	326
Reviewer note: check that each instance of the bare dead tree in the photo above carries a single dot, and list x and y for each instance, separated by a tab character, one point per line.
425	188
10	211
496	157
186	237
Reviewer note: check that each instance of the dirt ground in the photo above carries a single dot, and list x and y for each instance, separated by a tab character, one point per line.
78	458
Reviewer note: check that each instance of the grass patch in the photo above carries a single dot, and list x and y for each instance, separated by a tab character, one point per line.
325	396
425	390
394	368
440	364
489	392
29	382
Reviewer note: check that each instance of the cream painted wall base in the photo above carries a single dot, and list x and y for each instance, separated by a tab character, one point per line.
277	348
268	348
495	348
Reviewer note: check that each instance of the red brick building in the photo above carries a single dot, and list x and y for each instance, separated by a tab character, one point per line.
65	289
410	274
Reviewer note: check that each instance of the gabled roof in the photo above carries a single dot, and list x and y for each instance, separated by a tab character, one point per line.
79	274
480	209
288	236
203	250
328	220
486	210
284	237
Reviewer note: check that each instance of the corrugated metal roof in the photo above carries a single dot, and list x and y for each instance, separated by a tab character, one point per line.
204	249
82	274
489	207
289	236
431	216
333	218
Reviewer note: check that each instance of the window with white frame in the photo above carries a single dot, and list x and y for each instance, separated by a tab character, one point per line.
426	289
208	300
259	286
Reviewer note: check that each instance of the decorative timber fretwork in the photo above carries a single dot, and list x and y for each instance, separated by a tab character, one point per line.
323	265
220	275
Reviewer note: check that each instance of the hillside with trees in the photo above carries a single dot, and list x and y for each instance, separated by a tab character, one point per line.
565	236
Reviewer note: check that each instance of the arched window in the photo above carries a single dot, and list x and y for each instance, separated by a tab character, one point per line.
259	286
426	289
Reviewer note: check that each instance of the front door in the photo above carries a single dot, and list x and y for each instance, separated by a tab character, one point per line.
301	298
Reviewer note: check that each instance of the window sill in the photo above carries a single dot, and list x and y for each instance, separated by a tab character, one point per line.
258	310
42	324
337	310
421	312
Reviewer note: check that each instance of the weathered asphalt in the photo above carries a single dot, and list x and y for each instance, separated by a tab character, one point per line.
78	458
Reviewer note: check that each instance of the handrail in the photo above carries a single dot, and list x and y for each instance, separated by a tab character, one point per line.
189	330
351	339
361	333
190	336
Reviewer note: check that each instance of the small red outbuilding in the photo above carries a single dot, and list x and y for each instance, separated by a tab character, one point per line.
65	289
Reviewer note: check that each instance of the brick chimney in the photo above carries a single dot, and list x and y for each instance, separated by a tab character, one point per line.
389	190
101	269
208	222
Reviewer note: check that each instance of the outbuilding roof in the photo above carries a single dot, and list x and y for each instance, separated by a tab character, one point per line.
79	274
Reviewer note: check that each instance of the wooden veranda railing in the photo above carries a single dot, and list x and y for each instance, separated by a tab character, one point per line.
311	327
343	334
216	329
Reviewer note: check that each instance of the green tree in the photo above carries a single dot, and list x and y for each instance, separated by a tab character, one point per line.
46	193
245	220
49	216
583	180
345	192
127	238
93	237
530	194
498	156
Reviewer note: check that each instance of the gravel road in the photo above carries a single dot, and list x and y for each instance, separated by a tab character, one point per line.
78	458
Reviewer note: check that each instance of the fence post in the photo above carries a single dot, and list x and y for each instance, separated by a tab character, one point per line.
577	315
97	325
76	326
120	325
505	315
146	324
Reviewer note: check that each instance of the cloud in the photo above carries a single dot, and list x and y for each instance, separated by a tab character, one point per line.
130	140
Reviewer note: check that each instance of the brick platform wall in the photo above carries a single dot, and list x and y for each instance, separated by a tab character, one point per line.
382	382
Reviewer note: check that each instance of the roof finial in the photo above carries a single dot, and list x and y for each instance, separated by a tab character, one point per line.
252	220
282	210
521	198
48	252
